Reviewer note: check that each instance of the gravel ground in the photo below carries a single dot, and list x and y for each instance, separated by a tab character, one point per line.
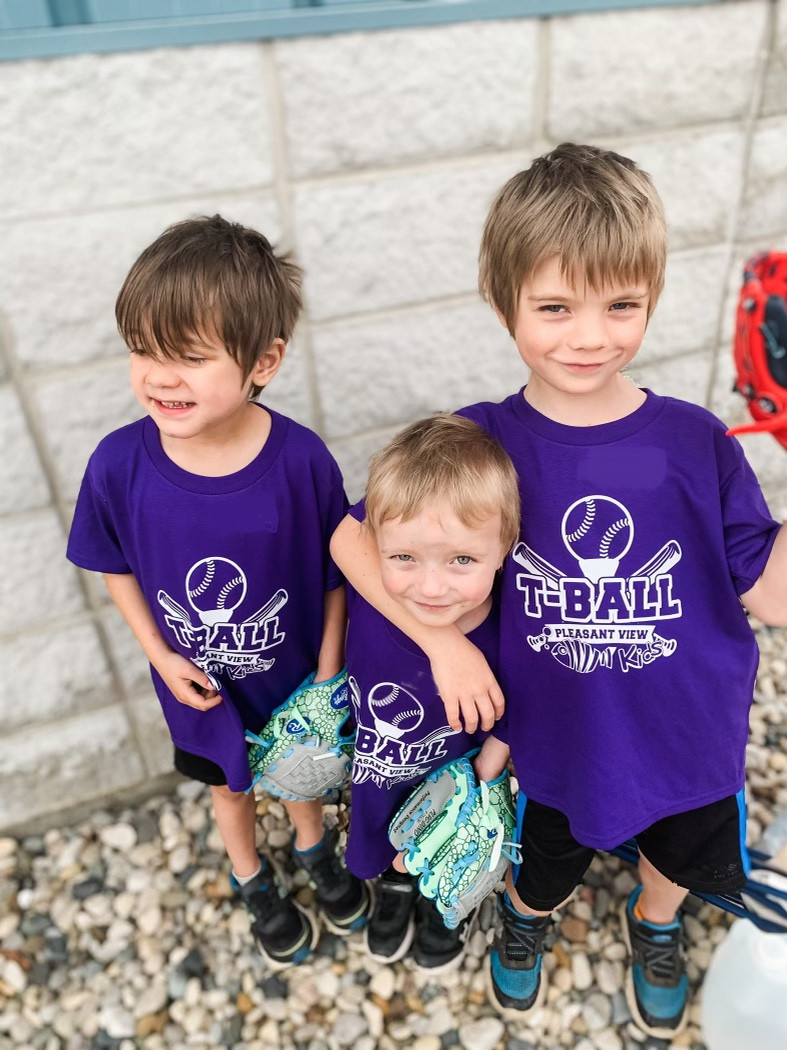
119	932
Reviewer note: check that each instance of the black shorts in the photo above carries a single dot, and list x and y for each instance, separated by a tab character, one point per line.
195	767
702	849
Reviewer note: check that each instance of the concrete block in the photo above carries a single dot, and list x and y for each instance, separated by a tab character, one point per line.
23	485
59	277
353	455
89	131
698	176
378	373
774	100
614	72
376	99
151	729
76	410
37	583
66	673
764	211
375	243
49	768
685	377
687	315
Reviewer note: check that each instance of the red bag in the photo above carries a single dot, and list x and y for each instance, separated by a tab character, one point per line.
760	347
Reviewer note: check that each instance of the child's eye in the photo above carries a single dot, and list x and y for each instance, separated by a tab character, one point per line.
551	308
138	351
402	557
463	559
193	359
620	307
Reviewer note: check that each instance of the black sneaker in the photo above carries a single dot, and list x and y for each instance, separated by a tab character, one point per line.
515	981
344	901
657	987
390	930
285	933
437	949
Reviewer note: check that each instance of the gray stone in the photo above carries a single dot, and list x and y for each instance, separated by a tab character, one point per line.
23	485
203	126
653	69
764	207
452	90
425	226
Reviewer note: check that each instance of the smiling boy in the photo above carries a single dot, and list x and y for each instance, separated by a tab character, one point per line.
210	520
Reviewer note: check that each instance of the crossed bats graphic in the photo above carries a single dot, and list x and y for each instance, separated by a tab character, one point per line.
269	609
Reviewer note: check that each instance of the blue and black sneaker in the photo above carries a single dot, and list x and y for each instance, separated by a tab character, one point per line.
285	933
343	900
515	980
657	986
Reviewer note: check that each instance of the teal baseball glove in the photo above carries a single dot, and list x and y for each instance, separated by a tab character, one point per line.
306	747
456	837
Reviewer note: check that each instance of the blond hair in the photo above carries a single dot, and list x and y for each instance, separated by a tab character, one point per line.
595	210
444	458
209	277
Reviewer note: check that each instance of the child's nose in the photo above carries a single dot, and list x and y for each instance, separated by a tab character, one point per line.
161	372
589	334
431	583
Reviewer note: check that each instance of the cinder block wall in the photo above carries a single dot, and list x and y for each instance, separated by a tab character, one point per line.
374	157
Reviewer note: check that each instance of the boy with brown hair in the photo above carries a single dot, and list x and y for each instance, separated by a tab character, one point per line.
626	658
210	520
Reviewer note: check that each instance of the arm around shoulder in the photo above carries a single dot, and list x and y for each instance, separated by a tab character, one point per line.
460	670
767	599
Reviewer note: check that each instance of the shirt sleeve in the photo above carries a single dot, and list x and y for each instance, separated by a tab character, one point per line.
93	541
749	528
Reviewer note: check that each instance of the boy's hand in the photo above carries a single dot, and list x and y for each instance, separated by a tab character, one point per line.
187	683
466	684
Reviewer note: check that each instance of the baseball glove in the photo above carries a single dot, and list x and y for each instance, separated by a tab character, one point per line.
456	837
760	348
305	748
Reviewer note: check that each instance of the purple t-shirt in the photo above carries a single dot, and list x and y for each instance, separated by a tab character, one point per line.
626	657
402	732
234	569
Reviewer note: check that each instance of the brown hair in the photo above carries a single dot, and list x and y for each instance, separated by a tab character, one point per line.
209	277
444	458
595	210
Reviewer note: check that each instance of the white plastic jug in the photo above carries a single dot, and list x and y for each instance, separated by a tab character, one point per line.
744	995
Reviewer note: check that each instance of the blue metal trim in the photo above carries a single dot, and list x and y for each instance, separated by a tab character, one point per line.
339	17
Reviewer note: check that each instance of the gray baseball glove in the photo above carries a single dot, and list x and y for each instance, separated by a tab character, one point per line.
305	748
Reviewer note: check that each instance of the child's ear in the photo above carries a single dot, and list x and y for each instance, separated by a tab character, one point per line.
268	363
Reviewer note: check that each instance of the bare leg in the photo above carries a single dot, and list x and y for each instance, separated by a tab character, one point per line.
306	818
235	817
660	898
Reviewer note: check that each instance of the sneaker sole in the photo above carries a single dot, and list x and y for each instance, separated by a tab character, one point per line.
277	965
357	924
631	997
510	1012
400	952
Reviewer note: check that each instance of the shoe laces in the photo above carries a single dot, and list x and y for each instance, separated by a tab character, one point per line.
523	938
659	953
263	901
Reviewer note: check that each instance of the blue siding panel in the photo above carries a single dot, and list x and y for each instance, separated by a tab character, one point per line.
264	19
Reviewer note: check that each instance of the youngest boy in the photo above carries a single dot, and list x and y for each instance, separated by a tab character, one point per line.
442	506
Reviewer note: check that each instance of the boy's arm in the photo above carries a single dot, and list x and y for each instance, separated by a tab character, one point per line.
331	658
460	671
491	760
767	599
180	675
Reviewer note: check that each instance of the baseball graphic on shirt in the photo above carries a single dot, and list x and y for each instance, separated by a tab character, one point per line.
215	588
394	710
598	531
